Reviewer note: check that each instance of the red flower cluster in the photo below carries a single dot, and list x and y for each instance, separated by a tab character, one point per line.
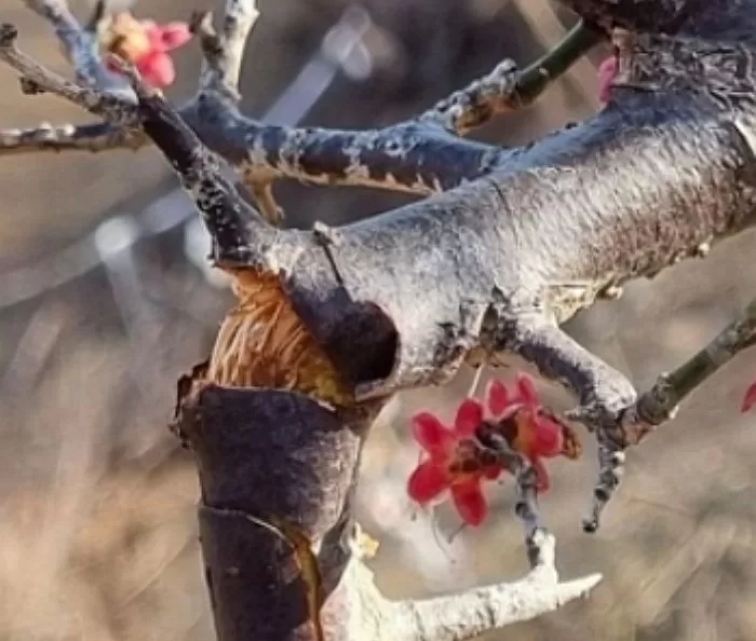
146	45
453	463
606	72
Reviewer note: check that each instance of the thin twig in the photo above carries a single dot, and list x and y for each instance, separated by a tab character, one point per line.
118	110
81	47
506	89
659	404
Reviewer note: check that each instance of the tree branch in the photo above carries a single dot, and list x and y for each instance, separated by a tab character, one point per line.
270	488
224	52
469	614
331	322
659	404
506	89
81	47
117	109
410	157
635	15
93	137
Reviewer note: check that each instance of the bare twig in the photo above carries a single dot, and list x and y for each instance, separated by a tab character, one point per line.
659	404
238	231
507	89
118	110
93	137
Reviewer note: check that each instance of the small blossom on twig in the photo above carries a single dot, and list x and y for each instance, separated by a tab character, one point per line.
455	462
146	45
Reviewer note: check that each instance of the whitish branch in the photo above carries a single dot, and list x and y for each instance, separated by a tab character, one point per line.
468	614
659	404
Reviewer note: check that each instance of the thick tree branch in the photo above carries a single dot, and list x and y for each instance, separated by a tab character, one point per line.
331	322
635	15
508	89
270	487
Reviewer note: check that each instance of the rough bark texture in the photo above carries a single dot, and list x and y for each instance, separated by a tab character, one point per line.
516	243
277	471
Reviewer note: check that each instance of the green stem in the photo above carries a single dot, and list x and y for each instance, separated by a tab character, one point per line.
534	80
659	403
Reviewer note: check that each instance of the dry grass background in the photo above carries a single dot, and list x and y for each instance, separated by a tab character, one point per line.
97	530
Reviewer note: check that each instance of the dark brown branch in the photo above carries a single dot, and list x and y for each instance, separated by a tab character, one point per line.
635	15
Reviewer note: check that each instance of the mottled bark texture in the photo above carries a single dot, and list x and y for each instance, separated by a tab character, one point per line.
331	322
277	473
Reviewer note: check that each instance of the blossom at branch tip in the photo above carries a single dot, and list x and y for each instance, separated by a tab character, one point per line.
455	462
146	45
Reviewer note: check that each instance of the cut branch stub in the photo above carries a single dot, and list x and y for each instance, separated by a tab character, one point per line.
276	469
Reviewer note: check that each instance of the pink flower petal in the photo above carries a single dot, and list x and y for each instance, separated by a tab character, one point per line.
749	400
175	35
548	439
427	482
470	502
157	70
431	434
469	417
497	398
606	72
526	391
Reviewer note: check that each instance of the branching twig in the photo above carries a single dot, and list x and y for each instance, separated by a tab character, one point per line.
117	109
507	89
410	157
659	404
81	47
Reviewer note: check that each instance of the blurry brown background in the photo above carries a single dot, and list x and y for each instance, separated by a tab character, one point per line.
97	529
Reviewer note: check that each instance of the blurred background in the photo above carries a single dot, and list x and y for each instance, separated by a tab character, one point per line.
105	301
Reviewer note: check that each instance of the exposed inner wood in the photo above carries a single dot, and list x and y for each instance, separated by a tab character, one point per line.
263	343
